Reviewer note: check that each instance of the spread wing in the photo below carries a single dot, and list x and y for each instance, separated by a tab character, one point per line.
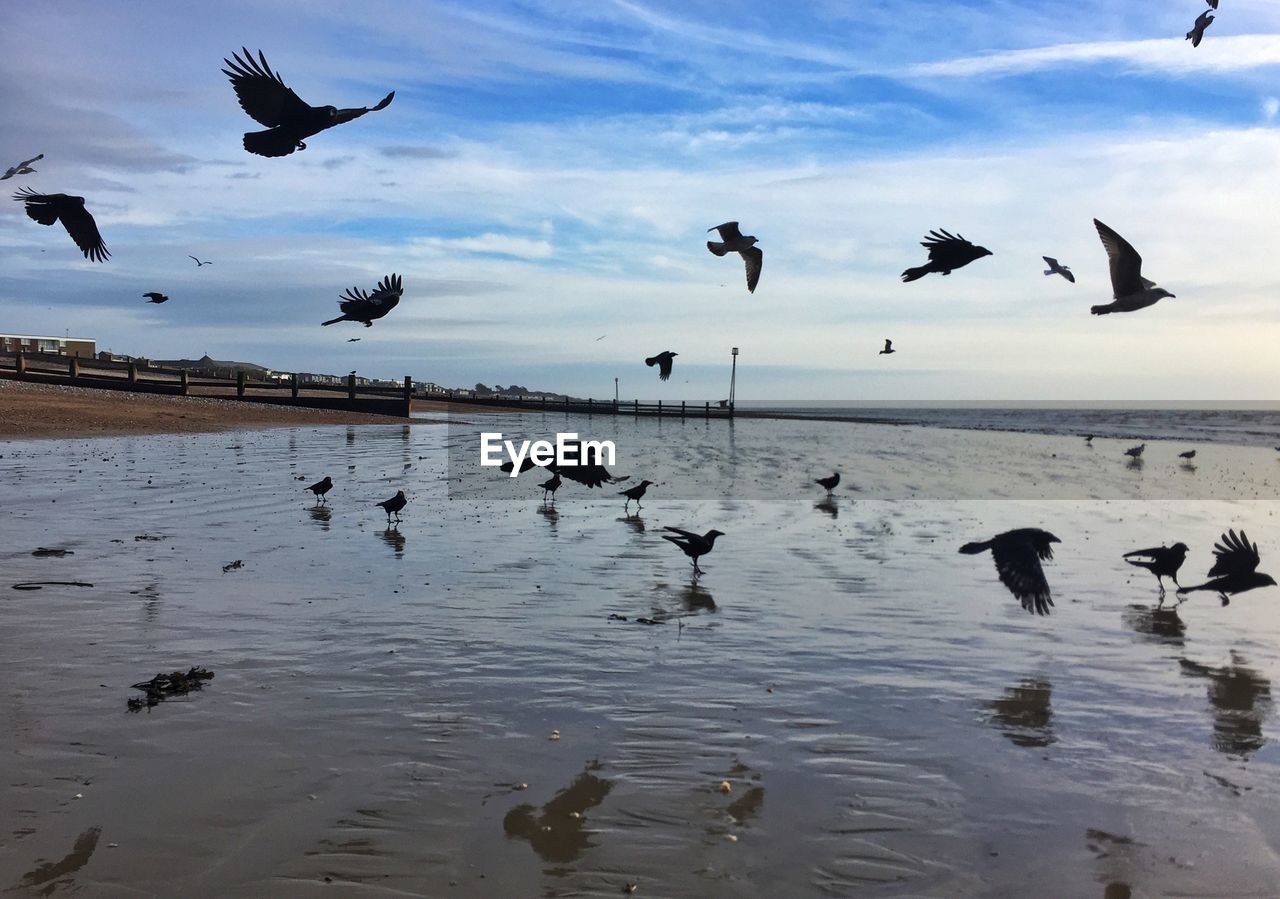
48	208
1234	556
261	92
888	345
754	259
942	241
346	115
664	362
1019	568
1126	264
383	298
1156	552
728	231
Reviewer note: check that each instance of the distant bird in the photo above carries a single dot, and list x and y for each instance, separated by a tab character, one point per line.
1234	570
320	488
353	340
156	297
263	95
1162	561
360	306
634	493
1203	21
1088	439
550	487
49	208
744	246
1017	555
1056	269
830	483
947	252
22	168
663	361
198	262
1189	454
888	348
601	337
1131	290
693	545
393	506
1135	451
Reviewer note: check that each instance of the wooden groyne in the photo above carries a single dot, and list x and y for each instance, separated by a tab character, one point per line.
591	407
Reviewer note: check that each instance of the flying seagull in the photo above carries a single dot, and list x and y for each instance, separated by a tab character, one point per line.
829	483
1235	568
353	340
1162	561
693	545
745	246
1017	555
947	251
1056	269
663	361
359	306
550	486
1131	290
1203	21
320	488
156	297
49	208
22	168
1189	454
393	506
888	348
1135	451
268	101
634	493
198	262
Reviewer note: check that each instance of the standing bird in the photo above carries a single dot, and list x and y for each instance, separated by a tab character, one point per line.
268	101
888	348
744	246
359	306
1089	439
947	251
550	487
156	298
693	545
634	493
1234	570
1131	290
1162	561
393	506
22	168
1203	21
1135	451
198	262
1189	454
663	361
320	488
830	483
1056	269
1017	555
49	208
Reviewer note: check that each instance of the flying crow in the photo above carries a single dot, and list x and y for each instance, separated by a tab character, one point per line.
360	306
393	506
157	298
947	251
830	483
320	488
22	168
1203	21
49	208
1162	561
1017	555
693	545
744	246
1056	269
888	348
634	493
1131	290
1235	568
663	361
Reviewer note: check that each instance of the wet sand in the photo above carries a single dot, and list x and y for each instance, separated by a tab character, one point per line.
889	721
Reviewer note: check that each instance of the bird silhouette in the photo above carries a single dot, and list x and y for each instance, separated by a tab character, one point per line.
1130	289
1203	21
1162	561
353	340
157	298
320	488
634	493
1235	568
49	208
733	241
947	252
693	545
550	487
1056	269
888	348
1135	451
1017	555
198	262
393	506
22	168
1212	3
829	483
1088	439
663	361
1189	454
359	306
268	101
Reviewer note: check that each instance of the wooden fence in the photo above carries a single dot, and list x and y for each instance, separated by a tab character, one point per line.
591	407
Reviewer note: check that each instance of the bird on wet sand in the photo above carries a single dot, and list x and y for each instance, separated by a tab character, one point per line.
22	168
394	505
664	362
1088	438
1017	555
1162	561
693	545
550	487
1235	568
198	262
1135	452
1056	269
1189	454
320	488
153	297
360	306
634	493
49	208
733	241
947	252
829	483
1203	21
268	101
1131	291
888	348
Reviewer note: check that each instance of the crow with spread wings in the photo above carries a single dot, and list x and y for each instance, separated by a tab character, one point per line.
1017	555
359	306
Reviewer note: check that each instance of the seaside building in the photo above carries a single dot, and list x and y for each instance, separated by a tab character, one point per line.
81	347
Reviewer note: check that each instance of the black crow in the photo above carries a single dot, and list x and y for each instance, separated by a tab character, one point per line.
1234	570
830	483
693	545
49	208
550	487
634	493
320	488
888	348
663	361
588	470
744	246
1203	21
263	95
22	168
1088	439
1135	451
353	340
393	506
1056	269
1162	561
947	252
1017	555
359	306
157	298
1130	289
198	262
1189	454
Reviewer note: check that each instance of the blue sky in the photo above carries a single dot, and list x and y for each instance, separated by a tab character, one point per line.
547	172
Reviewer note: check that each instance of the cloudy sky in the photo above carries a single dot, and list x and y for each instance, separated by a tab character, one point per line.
548	170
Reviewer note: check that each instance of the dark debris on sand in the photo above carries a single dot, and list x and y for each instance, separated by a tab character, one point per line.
163	686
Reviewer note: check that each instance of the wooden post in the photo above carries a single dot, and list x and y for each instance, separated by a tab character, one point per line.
636	409
706	412
73	368
659	408
408	396
241	378
133	373
20	365
682	408
351	387
590	405
544	402
566	403
186	382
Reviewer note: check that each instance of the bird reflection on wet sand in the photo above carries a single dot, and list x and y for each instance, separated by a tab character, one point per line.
559	833
1241	699
1024	715
50	872
394	539
321	515
1154	623
634	521
549	513
697	599
828	505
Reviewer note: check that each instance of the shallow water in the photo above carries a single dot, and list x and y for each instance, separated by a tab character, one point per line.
888	718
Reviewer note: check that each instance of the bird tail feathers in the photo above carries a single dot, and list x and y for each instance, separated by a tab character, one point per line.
913	274
269	143
1102	310
718	248
334	321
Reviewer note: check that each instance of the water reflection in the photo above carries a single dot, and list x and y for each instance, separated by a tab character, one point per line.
321	515
1155	624
1240	698
635	522
1024	715
550	514
828	505
697	599
394	539
559	833
52	873
1135	464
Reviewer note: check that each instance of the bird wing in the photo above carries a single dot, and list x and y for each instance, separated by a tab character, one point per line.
1126	264
1051	262
1019	569
1234	556
389	288
728	231
753	257
888	345
346	115
688	535
664	366
1067	273
261	92
40	207
81	226
1154	553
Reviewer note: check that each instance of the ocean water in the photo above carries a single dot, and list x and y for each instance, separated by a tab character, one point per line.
888	720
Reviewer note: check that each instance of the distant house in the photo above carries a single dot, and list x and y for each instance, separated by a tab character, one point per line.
80	347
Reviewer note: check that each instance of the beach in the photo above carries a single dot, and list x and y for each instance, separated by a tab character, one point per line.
501	697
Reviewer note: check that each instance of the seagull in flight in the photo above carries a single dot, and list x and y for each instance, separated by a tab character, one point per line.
601	337
156	297
49	208
1017	555
947	251
198	262
22	168
353	340
733	241
1203	21
663	361
888	348
1056	269
1235	568
360	306
1131	290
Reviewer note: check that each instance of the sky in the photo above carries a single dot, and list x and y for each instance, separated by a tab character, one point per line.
547	173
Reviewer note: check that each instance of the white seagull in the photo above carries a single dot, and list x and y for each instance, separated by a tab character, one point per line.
1056	269
1131	290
